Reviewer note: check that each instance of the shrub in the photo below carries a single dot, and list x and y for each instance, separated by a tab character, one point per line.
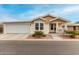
72	33
69	32
77	32
38	34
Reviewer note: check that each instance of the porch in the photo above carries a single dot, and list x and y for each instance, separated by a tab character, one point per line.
57	27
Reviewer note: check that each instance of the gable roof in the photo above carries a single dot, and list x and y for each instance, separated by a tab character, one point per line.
59	18
53	18
43	17
48	16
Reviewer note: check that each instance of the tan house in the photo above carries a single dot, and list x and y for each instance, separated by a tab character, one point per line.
47	24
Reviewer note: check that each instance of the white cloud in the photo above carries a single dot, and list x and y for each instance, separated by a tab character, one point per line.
38	11
49	9
70	9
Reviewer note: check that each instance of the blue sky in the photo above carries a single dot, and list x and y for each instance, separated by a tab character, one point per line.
13	12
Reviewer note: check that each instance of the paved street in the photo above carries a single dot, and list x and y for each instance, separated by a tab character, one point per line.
39	47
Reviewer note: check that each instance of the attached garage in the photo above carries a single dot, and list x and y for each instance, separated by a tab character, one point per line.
17	27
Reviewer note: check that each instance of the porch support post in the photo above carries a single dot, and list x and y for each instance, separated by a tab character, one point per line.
65	27
56	27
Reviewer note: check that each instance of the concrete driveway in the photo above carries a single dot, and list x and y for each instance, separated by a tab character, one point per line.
13	36
39	47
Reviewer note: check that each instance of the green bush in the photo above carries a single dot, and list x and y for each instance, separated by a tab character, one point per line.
69	32
77	32
72	33
38	34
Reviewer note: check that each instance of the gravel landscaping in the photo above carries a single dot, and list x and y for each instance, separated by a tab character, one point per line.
46	37
68	37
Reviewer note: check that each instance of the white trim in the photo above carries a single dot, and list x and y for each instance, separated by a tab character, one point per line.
56	27
4	28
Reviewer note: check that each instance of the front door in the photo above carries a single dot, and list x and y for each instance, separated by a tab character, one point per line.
53	28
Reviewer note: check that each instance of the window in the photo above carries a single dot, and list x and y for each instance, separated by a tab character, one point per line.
39	26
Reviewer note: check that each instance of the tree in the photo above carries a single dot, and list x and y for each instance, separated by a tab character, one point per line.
77	22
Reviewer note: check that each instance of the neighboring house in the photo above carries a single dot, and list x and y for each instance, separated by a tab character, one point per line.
73	26
47	24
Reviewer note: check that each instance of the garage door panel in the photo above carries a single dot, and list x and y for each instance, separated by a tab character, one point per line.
18	28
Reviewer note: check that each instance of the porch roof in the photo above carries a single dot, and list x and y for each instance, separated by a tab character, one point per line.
72	24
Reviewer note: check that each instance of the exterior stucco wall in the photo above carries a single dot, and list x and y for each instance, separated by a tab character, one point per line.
4	28
45	30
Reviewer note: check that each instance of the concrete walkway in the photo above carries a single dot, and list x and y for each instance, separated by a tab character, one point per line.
56	37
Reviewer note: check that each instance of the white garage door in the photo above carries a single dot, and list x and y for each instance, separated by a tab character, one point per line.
18	28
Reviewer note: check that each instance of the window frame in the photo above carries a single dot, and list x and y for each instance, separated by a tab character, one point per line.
39	26
36	26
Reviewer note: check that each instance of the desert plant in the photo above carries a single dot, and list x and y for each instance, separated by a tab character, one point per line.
38	34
